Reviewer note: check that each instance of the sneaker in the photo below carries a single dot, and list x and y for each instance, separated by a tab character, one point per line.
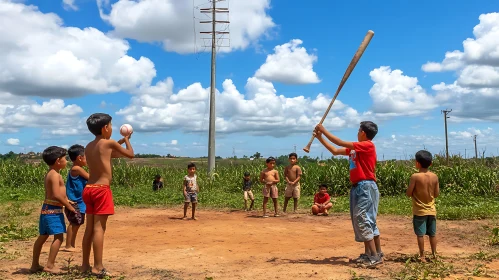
371	262
381	255
360	259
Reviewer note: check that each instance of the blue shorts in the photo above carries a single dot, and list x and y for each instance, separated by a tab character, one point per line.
51	220
191	197
364	202
425	225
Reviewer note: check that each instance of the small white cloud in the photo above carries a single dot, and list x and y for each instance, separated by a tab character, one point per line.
290	64
69	5
13	142
65	146
174	142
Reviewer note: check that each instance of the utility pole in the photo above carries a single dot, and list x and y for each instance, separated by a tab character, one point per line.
446	139
295	148
476	151
211	134
233	152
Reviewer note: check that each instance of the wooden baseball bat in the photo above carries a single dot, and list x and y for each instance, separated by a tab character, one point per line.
349	70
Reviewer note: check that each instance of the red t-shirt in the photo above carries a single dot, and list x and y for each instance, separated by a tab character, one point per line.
319	199
362	161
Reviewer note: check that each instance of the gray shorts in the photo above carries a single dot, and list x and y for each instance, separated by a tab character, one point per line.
191	197
364	202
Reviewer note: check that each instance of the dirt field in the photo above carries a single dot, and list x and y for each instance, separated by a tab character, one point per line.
156	244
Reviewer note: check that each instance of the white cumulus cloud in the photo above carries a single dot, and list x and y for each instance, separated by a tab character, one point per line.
258	111
171	22
395	94
290	64
13	142
39	56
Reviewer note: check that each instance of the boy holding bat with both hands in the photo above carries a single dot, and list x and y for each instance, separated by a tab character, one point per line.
364	194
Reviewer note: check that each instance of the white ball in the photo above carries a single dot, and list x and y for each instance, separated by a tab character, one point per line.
126	129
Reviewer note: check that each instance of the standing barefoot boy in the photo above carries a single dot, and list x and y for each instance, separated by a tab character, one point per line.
424	188
77	179
364	194
51	216
292	174
270	177
97	194
191	190
247	192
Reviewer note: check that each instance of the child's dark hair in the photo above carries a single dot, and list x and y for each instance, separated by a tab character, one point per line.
424	158
157	177
97	121
293	155
322	186
246	174
75	151
370	128
270	159
191	165
51	154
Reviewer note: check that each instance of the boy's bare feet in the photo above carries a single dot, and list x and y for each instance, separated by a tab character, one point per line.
276	215
326	213
85	270
194	218
70	249
184	218
52	270
422	259
35	269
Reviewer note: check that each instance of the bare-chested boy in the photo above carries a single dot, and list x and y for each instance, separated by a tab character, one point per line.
424	188
51	215
270	177
97	194
292	174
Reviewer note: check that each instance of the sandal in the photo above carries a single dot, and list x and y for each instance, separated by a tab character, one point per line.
103	273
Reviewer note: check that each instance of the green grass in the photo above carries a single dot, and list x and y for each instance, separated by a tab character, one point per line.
468	187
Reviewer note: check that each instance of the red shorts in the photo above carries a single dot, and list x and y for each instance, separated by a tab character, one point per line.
98	199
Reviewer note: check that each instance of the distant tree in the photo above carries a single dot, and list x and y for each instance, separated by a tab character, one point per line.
257	155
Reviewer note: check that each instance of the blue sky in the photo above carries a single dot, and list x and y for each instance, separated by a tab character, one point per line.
283	54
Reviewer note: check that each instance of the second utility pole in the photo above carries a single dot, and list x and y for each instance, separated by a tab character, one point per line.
446	139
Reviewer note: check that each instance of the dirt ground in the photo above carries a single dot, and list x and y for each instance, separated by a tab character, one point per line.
157	244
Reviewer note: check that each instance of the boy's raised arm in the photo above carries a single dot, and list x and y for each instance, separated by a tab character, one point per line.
336	140
335	151
81	172
119	151
412	184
